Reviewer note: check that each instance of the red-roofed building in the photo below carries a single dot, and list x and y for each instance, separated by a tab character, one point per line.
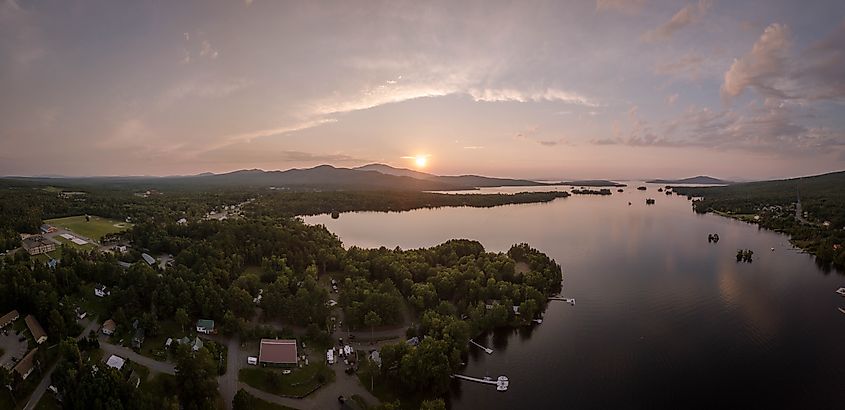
276	352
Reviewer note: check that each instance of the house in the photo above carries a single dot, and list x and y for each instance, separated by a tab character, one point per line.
138	339
35	328
277	352
414	341
52	263
134	379
109	327
205	326
8	318
168	342
101	291
37	244
115	362
124	265
26	365
197	344
48	229
121	248
149	259
182	221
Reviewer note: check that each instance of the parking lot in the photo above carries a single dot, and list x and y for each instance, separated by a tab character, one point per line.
13	348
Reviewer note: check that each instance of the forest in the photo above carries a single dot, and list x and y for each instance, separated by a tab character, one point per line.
449	292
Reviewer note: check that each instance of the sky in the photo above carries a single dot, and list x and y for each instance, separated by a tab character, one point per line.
530	89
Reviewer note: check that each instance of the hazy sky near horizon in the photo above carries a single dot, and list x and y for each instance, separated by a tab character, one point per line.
536	89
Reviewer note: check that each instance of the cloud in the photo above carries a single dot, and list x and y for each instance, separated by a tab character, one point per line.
620	6
549	94
764	67
684	17
774	127
688	66
772	69
671	99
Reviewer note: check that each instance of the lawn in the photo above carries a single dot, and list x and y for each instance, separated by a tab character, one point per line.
48	402
257	404
154	345
299	383
94	229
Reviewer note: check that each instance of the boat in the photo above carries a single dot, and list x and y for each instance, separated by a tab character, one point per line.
841	310
841	291
773	249
538	321
641	188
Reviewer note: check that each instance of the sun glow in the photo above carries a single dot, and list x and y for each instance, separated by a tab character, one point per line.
421	161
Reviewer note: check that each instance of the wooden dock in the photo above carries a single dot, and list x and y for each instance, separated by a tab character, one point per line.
501	382
571	301
486	349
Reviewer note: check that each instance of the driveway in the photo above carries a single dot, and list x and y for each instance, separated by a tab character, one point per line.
126	353
324	398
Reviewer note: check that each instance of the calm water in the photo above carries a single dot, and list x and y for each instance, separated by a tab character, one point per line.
663	318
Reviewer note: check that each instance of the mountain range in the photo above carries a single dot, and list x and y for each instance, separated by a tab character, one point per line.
701	179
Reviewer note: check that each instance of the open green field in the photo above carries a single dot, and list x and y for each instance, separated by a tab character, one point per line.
300	382
94	229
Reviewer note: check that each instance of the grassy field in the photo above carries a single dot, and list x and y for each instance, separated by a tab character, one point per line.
298	383
87	247
94	229
257	404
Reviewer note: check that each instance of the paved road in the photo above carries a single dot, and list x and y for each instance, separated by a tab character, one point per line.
154	365
36	395
228	383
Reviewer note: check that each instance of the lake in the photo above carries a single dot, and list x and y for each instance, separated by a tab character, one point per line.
663	318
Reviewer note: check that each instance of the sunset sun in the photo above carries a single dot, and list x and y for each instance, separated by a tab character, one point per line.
421	160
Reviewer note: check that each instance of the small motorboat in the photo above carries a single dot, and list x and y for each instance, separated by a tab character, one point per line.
841	310
773	249
841	291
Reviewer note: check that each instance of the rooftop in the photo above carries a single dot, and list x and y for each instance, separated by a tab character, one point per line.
35	328
277	351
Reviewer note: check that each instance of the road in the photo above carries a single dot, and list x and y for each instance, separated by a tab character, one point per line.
228	383
36	395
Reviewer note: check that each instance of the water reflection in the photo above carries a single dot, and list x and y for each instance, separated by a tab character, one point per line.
663	319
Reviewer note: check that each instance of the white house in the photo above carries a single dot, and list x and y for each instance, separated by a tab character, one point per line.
205	326
101	291
182	221
115	362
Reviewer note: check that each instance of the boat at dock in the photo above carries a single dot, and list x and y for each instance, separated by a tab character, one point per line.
476	344
841	291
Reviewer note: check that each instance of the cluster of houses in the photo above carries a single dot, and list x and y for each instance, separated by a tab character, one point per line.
26	364
204	326
117	362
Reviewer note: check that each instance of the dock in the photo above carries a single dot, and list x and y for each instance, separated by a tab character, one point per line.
571	301
486	349
501	383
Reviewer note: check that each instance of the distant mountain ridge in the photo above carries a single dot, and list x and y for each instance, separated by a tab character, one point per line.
701	179
472	181
373	177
